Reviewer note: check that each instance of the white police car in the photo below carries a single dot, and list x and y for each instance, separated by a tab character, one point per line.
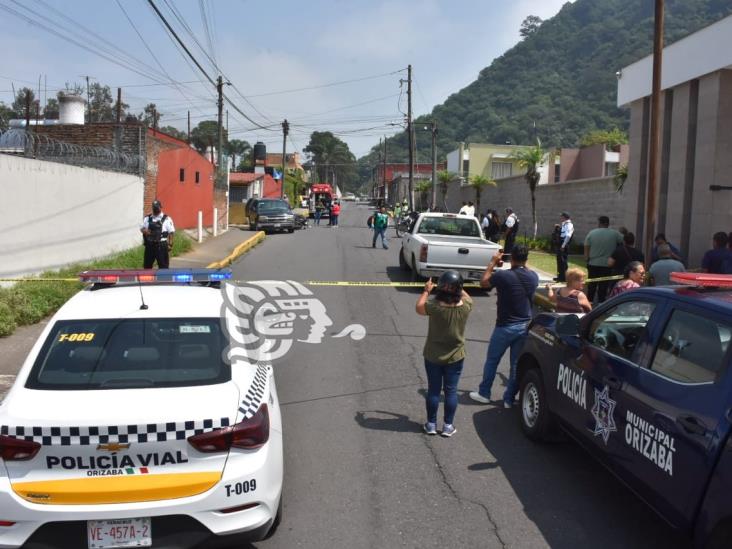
127	426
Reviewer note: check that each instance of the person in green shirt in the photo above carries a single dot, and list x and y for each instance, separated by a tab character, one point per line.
381	222
600	243
444	349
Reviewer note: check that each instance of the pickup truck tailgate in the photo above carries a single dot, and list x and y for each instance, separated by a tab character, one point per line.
464	253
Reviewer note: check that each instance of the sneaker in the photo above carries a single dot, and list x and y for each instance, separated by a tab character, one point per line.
507	404
430	428
477	397
448	430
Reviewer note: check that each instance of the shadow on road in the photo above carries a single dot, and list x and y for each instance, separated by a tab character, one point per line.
398	423
570	497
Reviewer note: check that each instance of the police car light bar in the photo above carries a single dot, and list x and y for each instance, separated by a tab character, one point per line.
114	276
702	279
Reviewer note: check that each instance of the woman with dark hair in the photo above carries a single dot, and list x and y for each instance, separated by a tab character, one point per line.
444	350
632	278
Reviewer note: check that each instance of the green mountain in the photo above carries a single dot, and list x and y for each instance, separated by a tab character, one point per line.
560	77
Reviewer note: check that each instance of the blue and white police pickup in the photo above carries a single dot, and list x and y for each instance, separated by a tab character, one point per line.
128	427
644	382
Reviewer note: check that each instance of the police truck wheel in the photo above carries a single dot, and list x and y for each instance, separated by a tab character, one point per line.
535	414
403	262
415	274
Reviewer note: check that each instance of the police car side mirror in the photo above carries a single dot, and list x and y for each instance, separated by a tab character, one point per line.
568	325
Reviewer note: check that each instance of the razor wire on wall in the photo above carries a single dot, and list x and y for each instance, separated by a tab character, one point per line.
29	144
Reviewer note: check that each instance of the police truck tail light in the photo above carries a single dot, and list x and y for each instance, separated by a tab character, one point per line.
423	253
16	449
250	434
6	523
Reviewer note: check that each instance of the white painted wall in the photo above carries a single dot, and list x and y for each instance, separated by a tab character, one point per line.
54	214
700	53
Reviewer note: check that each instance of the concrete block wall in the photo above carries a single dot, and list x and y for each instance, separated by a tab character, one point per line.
52	214
585	200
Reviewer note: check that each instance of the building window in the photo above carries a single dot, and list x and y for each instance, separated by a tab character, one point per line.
198	177
501	169
611	168
182	175
557	172
466	168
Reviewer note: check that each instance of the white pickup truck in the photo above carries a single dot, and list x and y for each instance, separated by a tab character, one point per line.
439	242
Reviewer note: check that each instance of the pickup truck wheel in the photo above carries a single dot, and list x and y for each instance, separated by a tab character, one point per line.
402	262
535	414
415	274
291	230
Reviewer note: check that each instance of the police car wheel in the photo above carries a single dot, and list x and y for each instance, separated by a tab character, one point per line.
535	420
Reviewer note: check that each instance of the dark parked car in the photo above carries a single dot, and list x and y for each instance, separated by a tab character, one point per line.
270	214
644	383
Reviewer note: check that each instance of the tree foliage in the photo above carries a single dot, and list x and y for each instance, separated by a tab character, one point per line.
610	138
206	134
334	161
530	25
174	132
561	76
237	148
531	160
478	183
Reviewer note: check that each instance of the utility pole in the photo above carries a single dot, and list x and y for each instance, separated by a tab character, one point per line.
375	172
655	134
155	119
433	128
88	102
119	105
220	145
189	127
27	111
285	131
410	129
383	171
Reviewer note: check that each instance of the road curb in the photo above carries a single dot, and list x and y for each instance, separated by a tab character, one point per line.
240	250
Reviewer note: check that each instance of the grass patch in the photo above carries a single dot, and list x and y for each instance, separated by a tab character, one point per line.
548	262
30	302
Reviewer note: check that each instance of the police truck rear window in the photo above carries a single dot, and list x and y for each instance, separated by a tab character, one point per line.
131	353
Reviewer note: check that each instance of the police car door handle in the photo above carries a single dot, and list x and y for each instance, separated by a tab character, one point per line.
692	425
612	382
463	251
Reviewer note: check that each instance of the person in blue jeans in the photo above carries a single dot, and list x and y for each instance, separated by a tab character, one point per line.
381	222
444	349
515	289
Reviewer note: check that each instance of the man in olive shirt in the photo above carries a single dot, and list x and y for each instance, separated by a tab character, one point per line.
600	243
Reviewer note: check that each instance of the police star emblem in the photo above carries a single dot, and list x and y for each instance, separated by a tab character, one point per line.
603	411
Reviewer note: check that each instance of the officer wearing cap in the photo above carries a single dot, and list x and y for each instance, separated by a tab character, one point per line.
157	234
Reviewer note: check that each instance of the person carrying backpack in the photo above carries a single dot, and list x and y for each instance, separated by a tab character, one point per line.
380	223
510	228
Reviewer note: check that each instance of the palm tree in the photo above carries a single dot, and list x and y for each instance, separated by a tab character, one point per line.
531	159
423	187
236	147
479	182
445	178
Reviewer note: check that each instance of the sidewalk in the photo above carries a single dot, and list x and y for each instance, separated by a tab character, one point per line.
15	347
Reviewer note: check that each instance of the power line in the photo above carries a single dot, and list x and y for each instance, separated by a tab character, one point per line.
295	90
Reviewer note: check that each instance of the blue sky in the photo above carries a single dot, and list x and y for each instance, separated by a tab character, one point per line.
265	47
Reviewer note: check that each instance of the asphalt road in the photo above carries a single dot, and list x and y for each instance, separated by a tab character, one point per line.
360	473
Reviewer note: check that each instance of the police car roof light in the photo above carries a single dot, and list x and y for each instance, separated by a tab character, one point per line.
114	276
707	280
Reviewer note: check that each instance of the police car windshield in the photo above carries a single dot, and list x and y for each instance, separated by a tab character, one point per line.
131	353
448	227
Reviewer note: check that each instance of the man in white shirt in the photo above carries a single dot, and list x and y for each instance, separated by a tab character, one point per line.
511	226
470	209
157	232
565	237
463	209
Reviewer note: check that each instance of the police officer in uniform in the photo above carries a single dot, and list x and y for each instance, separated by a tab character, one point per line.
157	232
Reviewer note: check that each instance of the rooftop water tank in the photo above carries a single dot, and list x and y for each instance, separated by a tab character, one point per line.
71	108
260	152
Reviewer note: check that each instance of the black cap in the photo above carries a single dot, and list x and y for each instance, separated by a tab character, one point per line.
156	205
565	215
